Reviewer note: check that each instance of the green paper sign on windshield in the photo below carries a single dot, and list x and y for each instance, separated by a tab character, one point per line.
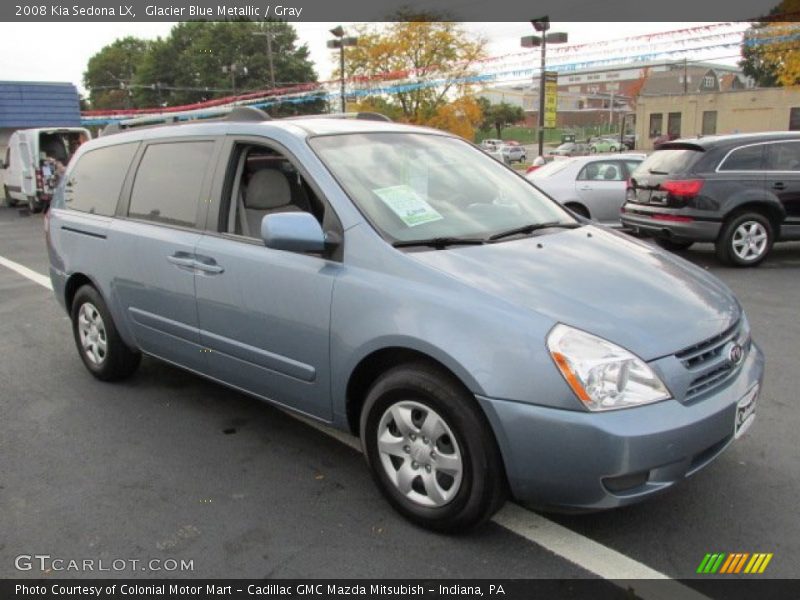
412	209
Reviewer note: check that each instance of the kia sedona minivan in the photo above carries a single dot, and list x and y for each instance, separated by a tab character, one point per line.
397	283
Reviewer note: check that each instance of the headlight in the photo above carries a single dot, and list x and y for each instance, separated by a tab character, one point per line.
603	375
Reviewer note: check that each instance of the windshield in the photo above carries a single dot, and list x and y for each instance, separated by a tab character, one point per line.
418	187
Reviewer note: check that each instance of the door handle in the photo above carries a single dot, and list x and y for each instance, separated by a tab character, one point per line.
778	185
206	268
182	259
585	188
206	264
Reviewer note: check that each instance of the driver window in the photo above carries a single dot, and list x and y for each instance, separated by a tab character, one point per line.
264	182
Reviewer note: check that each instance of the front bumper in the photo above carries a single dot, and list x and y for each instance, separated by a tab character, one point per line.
581	460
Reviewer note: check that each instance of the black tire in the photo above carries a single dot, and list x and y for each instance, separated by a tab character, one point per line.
579	209
673	245
612	149
482	488
592	150
118	361
9	200
730	238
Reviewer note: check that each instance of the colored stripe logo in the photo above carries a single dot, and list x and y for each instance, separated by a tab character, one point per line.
734	563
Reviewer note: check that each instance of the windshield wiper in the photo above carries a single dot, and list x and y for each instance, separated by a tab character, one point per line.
440	242
531	228
654	172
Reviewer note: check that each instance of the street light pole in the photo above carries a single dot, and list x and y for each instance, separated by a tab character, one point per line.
340	42
541	90
341	77
542	25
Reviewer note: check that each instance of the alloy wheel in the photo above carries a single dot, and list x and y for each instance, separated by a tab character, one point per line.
749	241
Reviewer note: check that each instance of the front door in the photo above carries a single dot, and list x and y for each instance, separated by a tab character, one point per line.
264	314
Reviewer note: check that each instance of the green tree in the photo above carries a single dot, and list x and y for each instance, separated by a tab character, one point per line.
500	116
111	71
194	63
202	60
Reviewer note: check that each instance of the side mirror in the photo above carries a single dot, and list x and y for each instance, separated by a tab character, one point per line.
293	232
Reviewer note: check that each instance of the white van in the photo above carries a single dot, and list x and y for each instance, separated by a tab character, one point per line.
34	161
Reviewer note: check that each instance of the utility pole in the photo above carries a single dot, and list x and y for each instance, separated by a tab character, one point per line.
270	35
685	76
269	57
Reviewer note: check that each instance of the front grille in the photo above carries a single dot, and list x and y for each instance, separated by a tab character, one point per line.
708	364
697	356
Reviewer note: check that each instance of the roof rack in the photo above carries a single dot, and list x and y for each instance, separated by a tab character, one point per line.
227	113
364	116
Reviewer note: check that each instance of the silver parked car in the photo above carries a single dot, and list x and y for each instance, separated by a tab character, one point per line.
399	284
594	187
513	153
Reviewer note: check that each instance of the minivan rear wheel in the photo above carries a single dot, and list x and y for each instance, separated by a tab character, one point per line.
745	240
430	450
99	345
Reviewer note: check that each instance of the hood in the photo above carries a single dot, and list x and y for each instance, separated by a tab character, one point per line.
643	298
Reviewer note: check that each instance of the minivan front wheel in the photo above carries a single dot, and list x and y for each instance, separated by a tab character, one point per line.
430	449
99	345
745	240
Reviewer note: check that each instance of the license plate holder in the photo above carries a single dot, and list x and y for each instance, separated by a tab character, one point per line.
745	412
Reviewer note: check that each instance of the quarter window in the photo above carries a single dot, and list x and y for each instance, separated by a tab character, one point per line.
746	158
168	182
96	180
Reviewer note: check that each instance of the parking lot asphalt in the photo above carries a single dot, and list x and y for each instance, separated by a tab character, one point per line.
169	465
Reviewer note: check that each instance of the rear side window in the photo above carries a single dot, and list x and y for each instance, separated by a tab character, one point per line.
783	156
96	180
667	162
168	182
746	158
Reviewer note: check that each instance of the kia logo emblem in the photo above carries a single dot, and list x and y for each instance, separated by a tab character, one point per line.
736	354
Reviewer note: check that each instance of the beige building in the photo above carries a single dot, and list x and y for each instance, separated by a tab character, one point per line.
708	113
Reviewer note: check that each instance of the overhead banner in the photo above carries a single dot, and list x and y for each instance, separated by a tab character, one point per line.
550	99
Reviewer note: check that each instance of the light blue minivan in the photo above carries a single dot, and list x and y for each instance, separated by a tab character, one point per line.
398	283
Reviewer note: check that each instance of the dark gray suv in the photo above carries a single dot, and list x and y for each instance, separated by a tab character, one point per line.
741	192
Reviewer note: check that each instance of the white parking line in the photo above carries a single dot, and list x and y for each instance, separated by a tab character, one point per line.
587	554
26	272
